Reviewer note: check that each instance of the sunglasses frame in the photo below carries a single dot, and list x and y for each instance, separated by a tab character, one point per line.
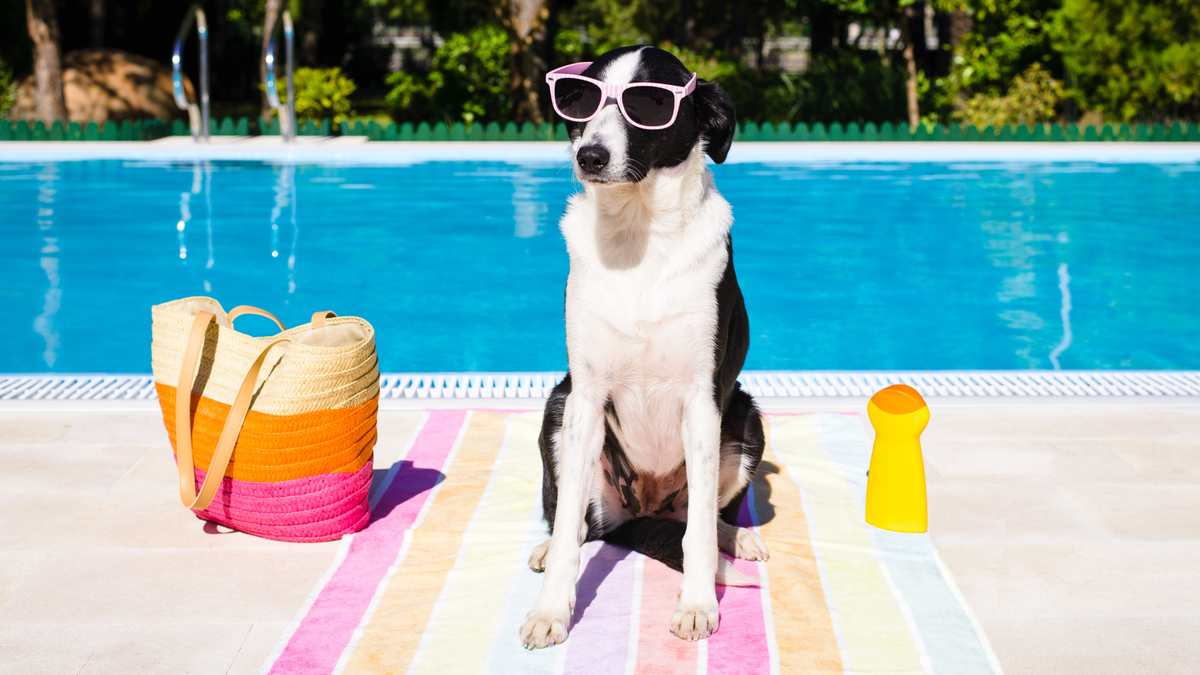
614	92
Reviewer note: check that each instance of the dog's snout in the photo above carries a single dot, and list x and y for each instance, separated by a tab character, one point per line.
592	158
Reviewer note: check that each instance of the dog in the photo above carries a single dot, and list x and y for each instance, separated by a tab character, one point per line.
648	442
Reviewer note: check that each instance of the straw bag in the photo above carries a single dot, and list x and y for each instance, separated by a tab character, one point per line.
281	428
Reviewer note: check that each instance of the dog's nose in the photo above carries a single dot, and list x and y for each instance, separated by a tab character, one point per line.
592	158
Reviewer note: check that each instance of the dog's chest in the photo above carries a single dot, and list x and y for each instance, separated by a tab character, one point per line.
646	327
646	335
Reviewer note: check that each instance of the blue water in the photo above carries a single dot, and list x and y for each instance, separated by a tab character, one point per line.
460	266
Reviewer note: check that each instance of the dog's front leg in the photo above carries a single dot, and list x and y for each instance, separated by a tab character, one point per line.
578	447
696	614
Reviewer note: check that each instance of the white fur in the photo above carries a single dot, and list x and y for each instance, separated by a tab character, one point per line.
641	321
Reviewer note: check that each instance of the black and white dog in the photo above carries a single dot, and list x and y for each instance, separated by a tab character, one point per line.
649	442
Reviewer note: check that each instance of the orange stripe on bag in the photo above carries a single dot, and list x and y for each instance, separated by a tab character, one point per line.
337	441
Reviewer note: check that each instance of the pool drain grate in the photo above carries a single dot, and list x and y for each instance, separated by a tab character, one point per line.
760	383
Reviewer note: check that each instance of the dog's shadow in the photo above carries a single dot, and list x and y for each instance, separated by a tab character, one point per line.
608	557
762	492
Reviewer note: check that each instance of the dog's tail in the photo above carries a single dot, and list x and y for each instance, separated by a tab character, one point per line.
663	540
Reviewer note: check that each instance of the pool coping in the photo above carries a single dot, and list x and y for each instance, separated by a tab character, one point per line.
357	150
775	390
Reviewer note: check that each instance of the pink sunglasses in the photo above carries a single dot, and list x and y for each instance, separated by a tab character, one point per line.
644	104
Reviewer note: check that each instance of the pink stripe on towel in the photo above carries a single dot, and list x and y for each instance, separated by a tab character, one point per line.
659	651
327	628
740	644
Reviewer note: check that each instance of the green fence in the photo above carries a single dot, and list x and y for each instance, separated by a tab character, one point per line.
141	130
494	131
784	132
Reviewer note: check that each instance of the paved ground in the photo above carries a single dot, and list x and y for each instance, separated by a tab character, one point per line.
1073	531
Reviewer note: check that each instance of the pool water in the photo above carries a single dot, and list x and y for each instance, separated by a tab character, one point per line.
460	265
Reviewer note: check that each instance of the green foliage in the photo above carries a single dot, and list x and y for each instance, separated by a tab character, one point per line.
1006	38
1132	59
716	67
323	93
1030	100
840	87
469	81
8	88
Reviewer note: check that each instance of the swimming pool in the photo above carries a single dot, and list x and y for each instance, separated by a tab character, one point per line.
460	267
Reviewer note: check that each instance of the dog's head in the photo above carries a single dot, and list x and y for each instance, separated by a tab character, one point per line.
608	149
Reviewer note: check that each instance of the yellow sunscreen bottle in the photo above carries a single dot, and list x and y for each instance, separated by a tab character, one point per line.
896	481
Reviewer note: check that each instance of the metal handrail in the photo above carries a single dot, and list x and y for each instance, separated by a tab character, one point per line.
197	117
287	114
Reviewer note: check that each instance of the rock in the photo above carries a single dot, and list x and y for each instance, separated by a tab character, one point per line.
108	84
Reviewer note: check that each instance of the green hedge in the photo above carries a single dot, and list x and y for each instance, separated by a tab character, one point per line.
494	131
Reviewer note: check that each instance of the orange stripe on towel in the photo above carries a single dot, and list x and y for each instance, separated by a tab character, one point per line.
390	640
337	441
803	627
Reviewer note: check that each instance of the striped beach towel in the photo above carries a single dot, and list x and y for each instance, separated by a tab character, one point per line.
438	581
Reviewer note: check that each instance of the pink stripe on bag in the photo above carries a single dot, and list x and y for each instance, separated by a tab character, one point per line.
317	508
337	612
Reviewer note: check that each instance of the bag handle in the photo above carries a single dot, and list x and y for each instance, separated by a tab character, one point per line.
247	309
318	319
233	423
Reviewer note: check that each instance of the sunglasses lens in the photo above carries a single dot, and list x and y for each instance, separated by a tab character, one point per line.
649	106
576	99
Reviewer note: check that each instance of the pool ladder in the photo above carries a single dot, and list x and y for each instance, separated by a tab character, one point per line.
287	113
197	115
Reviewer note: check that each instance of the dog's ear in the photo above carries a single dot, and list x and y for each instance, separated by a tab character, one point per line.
717	120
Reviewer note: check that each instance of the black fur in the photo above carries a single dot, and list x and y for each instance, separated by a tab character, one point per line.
708	112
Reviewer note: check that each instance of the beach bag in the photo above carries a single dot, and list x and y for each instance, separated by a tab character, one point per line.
278	431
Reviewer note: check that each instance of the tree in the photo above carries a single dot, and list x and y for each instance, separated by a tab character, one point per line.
910	64
525	22
1132	59
47	59
274	7
312	31
96	9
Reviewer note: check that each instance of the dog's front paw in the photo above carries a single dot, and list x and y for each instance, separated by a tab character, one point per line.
694	621
537	559
542	629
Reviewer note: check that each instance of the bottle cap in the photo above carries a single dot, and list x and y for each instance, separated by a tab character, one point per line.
898	399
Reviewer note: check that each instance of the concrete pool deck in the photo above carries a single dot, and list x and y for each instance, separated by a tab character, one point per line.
1071	526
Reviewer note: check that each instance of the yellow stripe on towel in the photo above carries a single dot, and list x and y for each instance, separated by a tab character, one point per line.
458	637
803	630
874	635
390	640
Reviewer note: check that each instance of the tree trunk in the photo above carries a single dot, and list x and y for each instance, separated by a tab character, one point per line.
272	13
47	60
737	31
312	31
687	33
525	21
910	63
96	8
